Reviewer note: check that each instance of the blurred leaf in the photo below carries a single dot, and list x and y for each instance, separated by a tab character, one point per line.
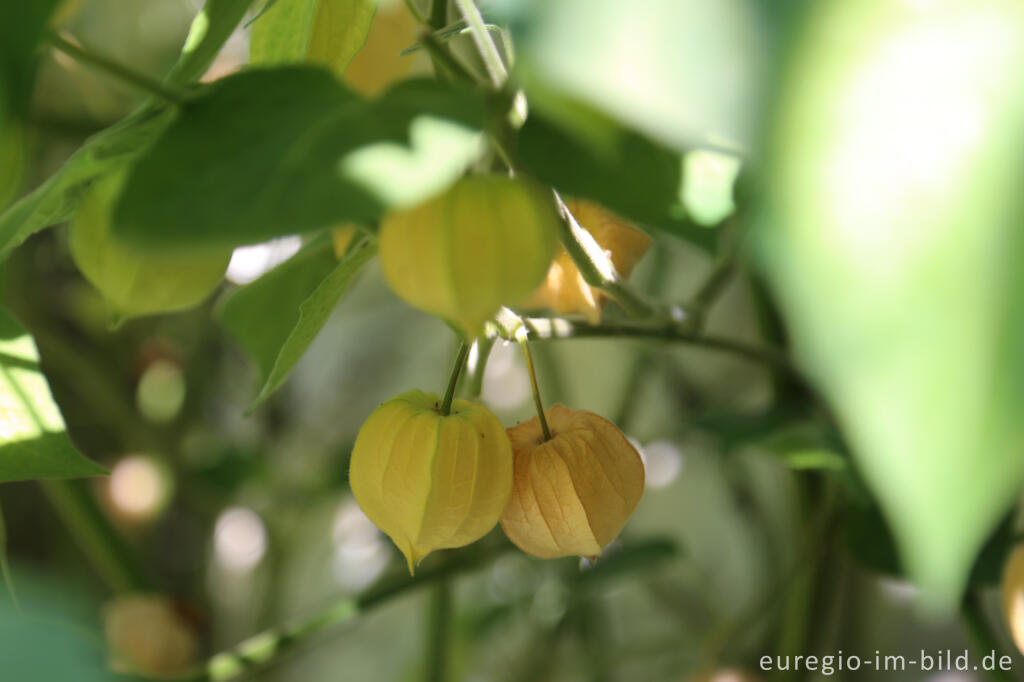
892	237
328	32
22	26
625	172
283	166
869	539
5	567
32	439
276	317
51	638
684	72
56	199
12	161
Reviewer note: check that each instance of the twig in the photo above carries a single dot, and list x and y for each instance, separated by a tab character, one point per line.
272	645
116	70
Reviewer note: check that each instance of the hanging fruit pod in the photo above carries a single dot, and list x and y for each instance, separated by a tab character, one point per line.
485	242
564	290
428	480
572	494
1013	596
134	281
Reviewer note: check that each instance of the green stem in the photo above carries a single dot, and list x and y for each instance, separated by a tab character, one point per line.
439	626
483	345
719	277
484	42
536	388
118	71
438	14
441	57
271	646
90	528
453	379
555	328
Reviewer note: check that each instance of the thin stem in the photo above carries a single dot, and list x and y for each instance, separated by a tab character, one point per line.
453	379
118	71
477	365
270	646
484	42
554	328
536	388
719	277
442	57
438	624
438	14
97	538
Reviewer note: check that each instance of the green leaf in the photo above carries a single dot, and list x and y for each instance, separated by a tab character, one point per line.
620	169
327	32
22	26
5	567
892	238
56	199
216	177
32	439
276	318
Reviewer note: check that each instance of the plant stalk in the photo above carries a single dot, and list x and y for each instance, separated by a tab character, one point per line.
453	380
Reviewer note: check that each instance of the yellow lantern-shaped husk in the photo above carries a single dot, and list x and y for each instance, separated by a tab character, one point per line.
485	242
1013	595
564	290
431	481
571	494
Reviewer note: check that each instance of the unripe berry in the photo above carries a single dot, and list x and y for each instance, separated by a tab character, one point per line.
428	480
572	494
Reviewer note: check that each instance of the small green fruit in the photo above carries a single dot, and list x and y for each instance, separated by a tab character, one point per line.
133	281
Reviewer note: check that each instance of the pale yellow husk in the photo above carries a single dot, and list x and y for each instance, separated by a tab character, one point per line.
564	290
485	242
573	494
431	481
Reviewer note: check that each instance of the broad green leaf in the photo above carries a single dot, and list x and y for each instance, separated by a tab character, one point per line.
892	237
215	177
56	199
327	32
622	170
276	317
32	439
684	72
22	25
